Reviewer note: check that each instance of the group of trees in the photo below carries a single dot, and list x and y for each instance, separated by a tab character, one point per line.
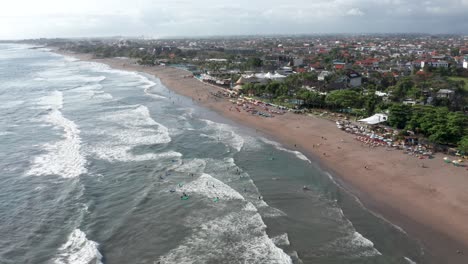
438	124
421	89
441	125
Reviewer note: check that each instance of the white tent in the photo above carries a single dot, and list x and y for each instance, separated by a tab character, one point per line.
375	119
268	75
278	76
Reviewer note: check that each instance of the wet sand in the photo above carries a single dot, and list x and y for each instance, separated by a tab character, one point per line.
430	203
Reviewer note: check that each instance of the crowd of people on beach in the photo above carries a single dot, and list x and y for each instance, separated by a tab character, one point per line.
380	136
256	107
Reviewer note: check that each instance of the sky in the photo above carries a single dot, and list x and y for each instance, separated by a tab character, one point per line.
157	18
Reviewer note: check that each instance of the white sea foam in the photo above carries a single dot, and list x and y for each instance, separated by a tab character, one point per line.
4	133
130	128
279	147
52	101
10	104
359	240
63	157
147	85
281	240
141	80
250	207
211	187
225	133
92	91
410	261
70	59
78	250
66	74
247	243
353	244
192	166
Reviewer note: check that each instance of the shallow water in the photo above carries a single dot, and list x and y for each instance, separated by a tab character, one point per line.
94	163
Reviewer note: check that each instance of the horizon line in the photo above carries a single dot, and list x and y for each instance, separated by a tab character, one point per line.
149	37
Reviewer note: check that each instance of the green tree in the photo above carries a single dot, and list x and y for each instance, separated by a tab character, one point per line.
254	62
399	115
371	101
463	145
343	99
400	91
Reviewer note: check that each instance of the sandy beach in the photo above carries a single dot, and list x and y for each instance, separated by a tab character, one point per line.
429	202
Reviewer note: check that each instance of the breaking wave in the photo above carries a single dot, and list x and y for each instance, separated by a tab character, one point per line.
78	250
63	157
279	147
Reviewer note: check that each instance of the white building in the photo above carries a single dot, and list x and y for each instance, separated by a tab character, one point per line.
445	93
435	64
465	62
323	75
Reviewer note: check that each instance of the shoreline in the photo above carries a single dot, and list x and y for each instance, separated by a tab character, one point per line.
430	204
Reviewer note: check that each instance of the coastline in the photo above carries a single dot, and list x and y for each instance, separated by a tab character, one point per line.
431	203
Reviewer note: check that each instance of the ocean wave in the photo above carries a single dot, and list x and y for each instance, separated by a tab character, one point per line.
52	101
130	128
4	133
63	157
225	133
211	187
278	146
66	74
146	83
358	201
236	237
142	81
192	166
70	59
78	250
350	241
11	104
409	260
281	240
250	207
92	91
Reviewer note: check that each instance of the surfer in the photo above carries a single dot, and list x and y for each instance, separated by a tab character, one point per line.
305	188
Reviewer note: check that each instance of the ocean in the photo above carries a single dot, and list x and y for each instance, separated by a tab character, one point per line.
95	164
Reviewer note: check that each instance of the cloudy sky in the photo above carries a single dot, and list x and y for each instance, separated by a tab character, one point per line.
158	18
